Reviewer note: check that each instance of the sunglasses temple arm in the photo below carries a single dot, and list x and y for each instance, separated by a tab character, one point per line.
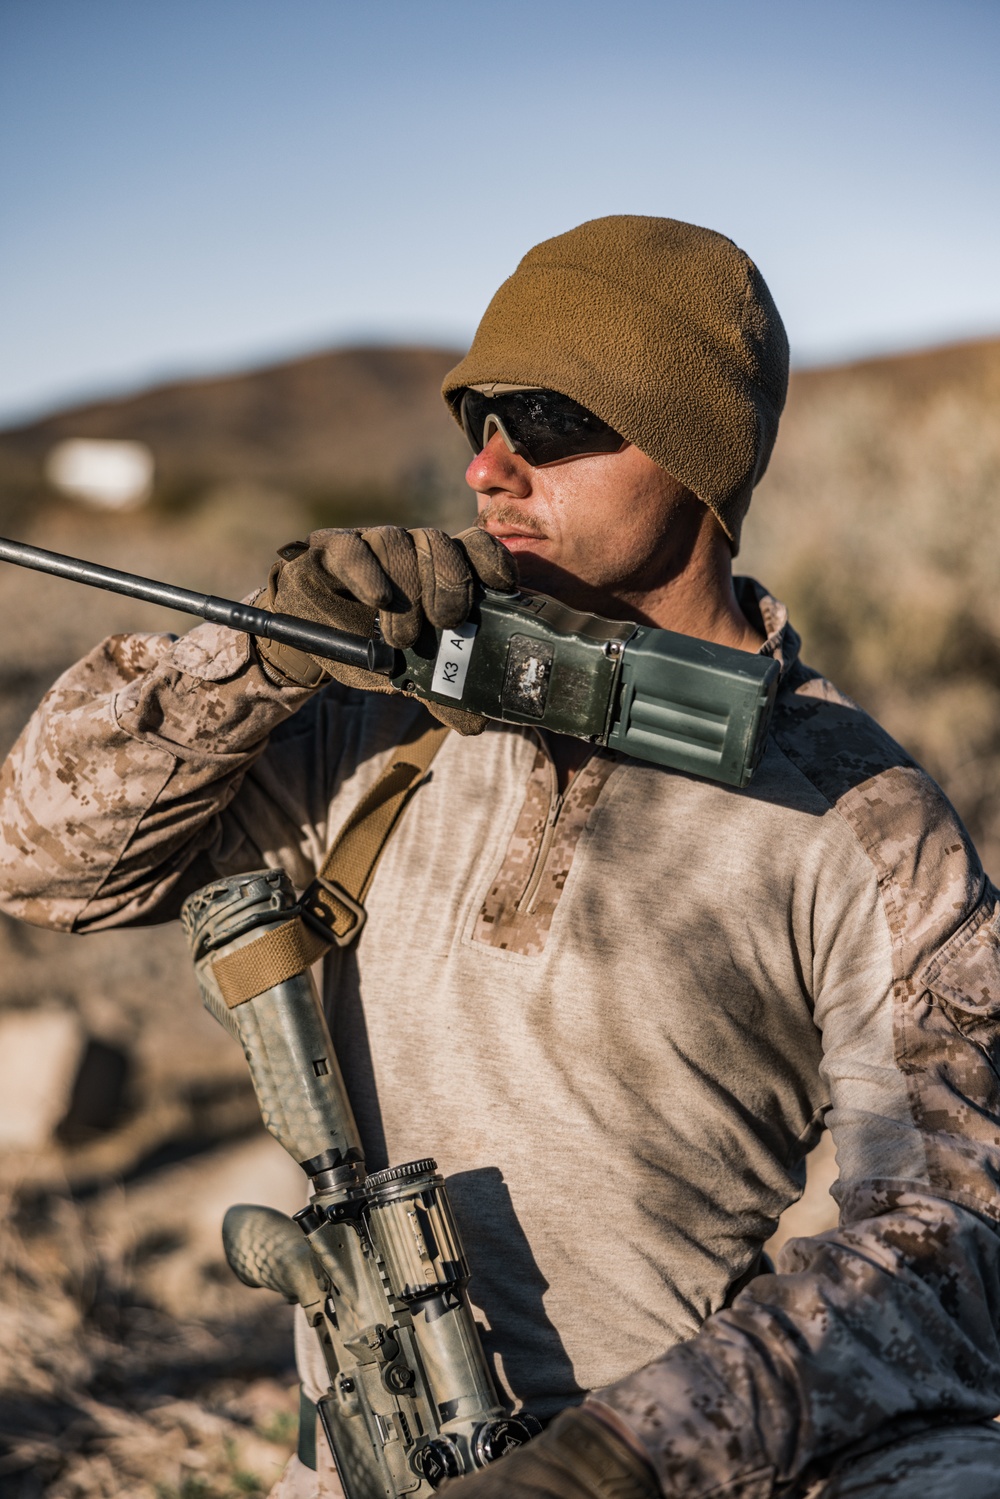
492	420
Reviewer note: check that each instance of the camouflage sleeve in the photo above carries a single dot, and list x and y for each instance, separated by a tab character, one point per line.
891	1319
112	795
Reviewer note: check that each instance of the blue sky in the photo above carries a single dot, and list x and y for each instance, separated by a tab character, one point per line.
202	185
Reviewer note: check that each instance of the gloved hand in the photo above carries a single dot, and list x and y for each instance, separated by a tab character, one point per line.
577	1457
341	578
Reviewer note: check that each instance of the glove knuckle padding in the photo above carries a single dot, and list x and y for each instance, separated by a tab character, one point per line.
489	559
397	556
445	578
349	563
400	614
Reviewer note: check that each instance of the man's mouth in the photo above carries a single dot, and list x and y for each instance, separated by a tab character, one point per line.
509	524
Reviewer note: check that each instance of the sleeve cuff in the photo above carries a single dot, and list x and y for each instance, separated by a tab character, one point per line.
699	1438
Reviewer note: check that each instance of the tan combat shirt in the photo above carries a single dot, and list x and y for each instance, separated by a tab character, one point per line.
617	1020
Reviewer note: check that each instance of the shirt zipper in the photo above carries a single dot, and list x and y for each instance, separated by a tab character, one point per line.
556	802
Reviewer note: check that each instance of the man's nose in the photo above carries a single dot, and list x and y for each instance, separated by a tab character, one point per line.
496	469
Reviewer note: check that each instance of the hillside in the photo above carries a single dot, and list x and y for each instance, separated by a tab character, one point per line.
344	432
130	1361
879	522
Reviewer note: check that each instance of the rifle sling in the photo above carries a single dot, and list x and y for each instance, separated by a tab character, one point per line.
331	911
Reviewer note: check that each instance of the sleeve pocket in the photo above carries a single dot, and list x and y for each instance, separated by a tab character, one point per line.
965	972
212	653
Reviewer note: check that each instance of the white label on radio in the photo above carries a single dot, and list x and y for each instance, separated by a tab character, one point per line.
452	664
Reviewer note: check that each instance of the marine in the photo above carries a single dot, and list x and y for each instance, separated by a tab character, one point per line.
620	1001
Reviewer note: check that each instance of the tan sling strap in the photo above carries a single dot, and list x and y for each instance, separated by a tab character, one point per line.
332	909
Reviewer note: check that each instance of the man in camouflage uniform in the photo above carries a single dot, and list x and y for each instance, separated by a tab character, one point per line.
618	1002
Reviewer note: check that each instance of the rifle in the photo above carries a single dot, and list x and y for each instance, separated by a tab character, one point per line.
376	1262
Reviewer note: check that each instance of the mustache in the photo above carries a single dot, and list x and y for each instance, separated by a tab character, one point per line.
504	513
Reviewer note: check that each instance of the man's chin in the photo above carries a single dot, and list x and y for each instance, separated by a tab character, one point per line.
535	573
541	576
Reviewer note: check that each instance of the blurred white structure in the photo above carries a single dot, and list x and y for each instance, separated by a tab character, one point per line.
40	1052
112	475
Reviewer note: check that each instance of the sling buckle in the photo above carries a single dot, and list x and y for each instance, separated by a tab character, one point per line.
328	909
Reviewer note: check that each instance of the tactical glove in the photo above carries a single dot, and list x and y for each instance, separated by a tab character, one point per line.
577	1457
341	578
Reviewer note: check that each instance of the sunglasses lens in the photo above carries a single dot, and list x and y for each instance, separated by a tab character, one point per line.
543	425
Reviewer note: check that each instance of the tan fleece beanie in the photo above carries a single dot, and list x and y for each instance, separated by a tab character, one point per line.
664	330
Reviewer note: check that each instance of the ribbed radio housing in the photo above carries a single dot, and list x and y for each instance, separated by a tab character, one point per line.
415	1234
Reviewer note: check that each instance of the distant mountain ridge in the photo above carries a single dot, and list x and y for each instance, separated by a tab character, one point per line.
362	423
371	420
364	415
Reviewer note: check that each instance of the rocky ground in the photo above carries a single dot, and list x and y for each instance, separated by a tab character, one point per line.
131	1362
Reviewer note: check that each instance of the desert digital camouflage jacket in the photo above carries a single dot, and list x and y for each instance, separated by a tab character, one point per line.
618	1018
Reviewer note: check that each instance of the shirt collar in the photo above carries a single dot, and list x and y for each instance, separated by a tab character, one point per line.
781	642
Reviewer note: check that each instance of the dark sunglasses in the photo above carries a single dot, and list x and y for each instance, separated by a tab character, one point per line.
541	426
